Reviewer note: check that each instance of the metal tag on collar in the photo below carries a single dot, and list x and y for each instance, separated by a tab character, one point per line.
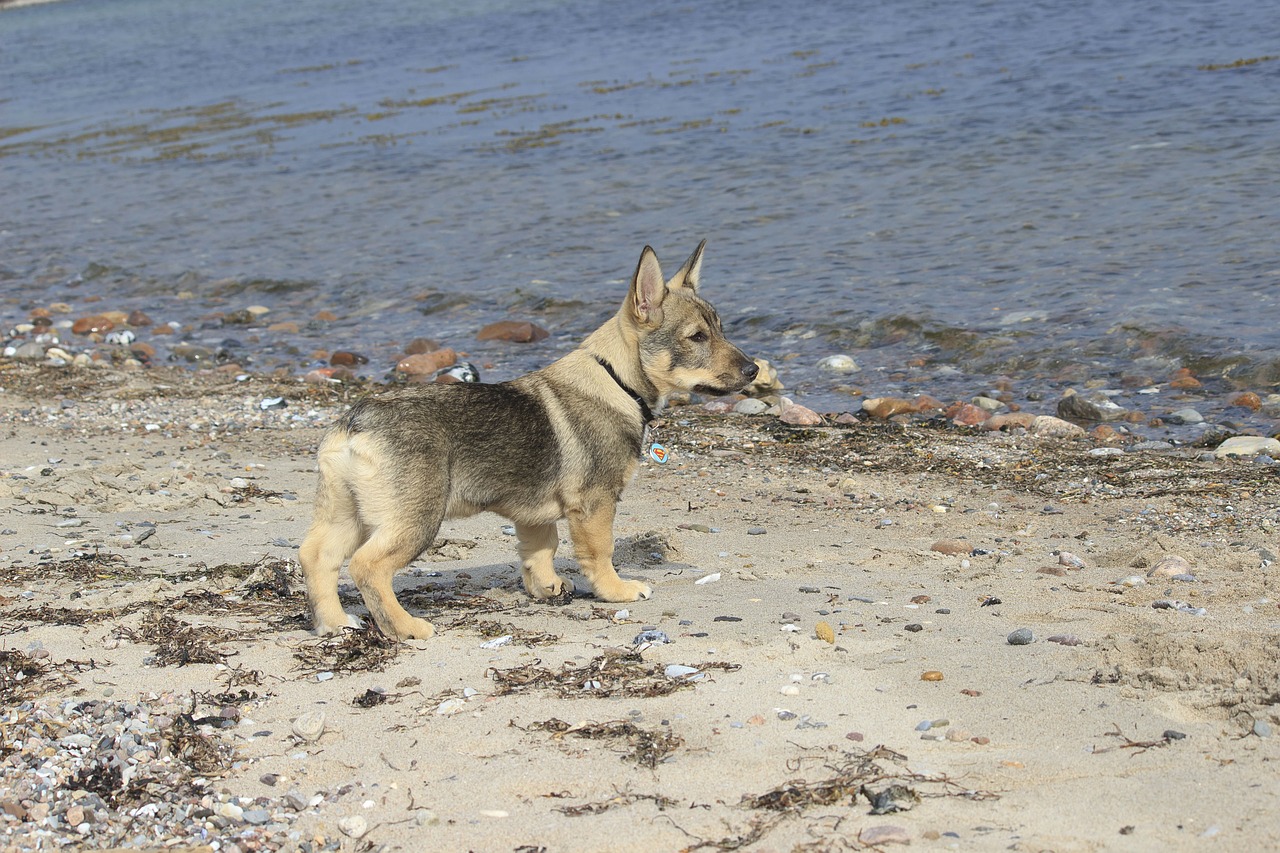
657	453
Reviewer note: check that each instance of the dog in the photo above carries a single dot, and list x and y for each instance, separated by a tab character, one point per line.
559	443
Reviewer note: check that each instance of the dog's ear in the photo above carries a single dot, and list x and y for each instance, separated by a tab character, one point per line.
647	290
688	275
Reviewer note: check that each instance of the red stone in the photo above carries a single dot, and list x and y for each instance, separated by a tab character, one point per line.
1245	400
138	317
427	363
512	330
89	325
343	358
970	415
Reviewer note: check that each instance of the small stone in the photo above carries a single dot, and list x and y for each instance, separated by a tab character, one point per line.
887	407
1185	416
1245	400
512	330
1065	639
952	547
427	363
138	317
1009	420
1020	637
257	817
354	826
1071	561
931	675
969	415
91	325
1047	426
797	415
756	531
1056	571
750	406
1093	406
1170	565
838	364
417	346
1262	728
1248	445
914	627
1173	734
309	726
344	358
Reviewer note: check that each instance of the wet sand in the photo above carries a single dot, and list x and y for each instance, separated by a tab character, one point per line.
807	578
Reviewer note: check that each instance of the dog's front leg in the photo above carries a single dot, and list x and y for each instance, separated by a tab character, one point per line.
537	560
592	532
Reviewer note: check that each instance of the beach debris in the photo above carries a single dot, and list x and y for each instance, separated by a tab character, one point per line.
308	727
895	798
652	637
1169	566
614	673
706	579
646	747
354	650
1020	637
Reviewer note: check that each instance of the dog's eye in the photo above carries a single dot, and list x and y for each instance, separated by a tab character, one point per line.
698	337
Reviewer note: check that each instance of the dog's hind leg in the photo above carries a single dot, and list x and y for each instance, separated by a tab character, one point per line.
592	532
374	564
335	534
537	560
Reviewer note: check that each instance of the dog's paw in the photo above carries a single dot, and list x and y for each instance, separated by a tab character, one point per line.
329	629
559	588
623	591
414	629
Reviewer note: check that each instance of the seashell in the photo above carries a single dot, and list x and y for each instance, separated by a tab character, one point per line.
1168	566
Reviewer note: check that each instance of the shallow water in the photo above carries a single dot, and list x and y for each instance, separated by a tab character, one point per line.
949	192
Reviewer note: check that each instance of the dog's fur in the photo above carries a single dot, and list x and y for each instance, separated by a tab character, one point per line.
561	442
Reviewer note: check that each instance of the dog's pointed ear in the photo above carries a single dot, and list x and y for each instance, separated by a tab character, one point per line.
688	275
647	290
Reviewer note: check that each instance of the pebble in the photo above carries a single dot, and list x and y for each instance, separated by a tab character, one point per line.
1185	416
1071	561
354	826
1065	639
751	406
969	415
1010	420
512	330
797	415
309	726
426	363
1262	728
887	407
952	547
1020	637
756	531
1170	565
931	675
1047	426
1247	445
1093	406
838	364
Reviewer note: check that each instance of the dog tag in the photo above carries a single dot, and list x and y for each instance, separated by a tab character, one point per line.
657	453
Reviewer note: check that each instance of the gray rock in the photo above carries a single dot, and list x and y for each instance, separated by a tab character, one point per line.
1021	637
751	406
1262	728
1093	406
1185	416
1247	445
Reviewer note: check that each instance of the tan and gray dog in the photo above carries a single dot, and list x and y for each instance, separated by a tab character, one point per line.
561	442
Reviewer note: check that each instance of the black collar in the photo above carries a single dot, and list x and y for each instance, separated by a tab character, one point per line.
645	411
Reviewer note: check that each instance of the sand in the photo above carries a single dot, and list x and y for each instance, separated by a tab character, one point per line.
794	573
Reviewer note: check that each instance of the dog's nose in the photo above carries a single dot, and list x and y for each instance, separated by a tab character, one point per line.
750	370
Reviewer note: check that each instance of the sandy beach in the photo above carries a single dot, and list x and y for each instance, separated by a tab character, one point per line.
833	657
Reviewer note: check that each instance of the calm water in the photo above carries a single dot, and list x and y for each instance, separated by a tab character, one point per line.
1050	191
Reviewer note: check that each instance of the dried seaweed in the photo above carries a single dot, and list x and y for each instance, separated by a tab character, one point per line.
354	650
620	798
646	747
519	636
614	673
177	642
852	775
95	566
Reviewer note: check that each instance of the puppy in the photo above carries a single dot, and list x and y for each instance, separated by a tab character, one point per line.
561	442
